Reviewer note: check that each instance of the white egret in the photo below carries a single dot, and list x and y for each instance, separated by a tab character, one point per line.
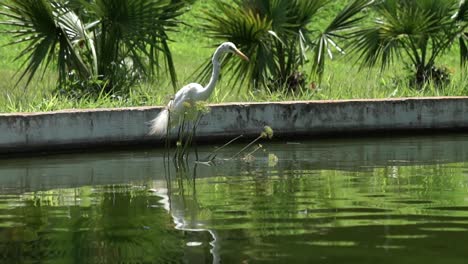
191	93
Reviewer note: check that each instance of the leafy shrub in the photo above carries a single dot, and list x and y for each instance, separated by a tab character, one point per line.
417	32
91	42
278	36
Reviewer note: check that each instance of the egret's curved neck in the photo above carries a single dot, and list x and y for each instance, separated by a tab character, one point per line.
208	89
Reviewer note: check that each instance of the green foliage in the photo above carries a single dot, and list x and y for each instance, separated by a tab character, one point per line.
100	41
340	79
418	31
278	35
461	20
43	26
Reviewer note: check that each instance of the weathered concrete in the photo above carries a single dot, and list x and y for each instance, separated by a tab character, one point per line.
109	127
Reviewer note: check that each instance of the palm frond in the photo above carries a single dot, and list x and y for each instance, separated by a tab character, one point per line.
135	28
250	31
94	38
44	33
462	11
374	47
327	41
461	18
463	49
418	28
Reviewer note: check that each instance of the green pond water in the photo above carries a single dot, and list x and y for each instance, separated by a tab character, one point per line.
371	200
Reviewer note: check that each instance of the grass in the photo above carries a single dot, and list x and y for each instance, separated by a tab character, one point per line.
342	80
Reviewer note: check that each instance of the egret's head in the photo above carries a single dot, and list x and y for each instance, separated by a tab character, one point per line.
231	48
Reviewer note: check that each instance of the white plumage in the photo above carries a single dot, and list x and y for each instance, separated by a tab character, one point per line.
176	108
170	116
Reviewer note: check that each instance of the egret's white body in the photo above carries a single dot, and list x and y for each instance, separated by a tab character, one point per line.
190	94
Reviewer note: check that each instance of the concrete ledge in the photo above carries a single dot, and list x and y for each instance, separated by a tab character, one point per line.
61	130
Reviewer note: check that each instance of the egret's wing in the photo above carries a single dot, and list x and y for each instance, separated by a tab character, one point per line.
185	94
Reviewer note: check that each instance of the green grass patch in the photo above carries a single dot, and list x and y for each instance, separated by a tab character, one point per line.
342	80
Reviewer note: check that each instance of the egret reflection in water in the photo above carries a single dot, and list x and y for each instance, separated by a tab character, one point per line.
328	201
180	200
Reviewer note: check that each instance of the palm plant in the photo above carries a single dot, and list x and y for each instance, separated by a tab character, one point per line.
461	21
105	42
278	36
415	31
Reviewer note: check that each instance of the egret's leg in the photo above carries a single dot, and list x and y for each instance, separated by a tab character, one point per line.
189	138
188	135
168	140
194	133
194	176
194	140
180	136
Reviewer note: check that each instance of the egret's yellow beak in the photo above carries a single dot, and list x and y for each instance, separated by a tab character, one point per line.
242	55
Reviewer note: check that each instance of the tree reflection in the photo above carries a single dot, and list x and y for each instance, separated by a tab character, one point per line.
321	200
180	199
118	225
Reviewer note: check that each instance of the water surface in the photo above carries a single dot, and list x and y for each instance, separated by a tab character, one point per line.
373	200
